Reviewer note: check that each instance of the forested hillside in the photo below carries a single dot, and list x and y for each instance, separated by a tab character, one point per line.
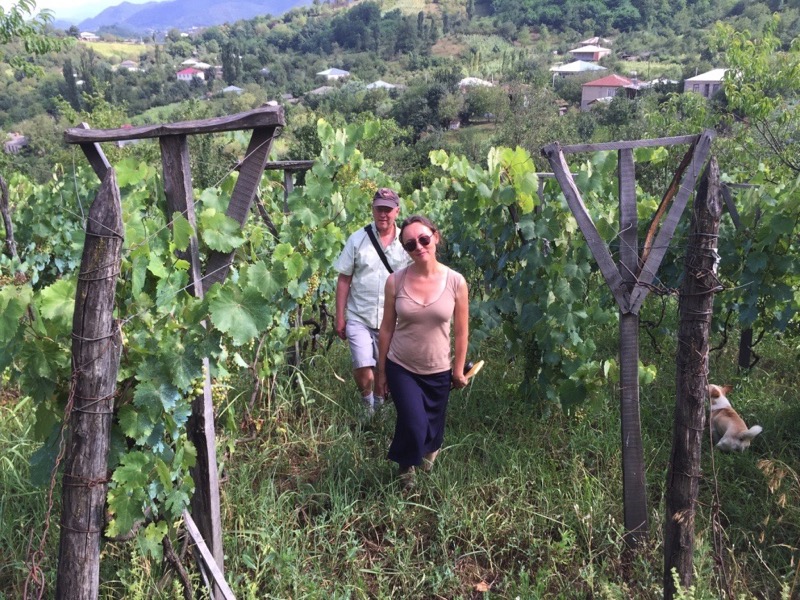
425	50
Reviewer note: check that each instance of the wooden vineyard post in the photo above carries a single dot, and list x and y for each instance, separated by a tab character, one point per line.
95	360
696	308
629	283
634	491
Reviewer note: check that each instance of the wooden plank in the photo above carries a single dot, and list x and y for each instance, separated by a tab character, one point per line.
208	559
242	198
628	219
731	206
96	349
288	165
180	199
623	145
265	116
689	431
288	187
634	490
667	230
666	199
206	501
200	427
598	247
95	155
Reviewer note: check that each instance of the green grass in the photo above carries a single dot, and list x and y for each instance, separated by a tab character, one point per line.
526	505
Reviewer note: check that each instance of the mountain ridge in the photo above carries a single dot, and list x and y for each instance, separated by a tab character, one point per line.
185	14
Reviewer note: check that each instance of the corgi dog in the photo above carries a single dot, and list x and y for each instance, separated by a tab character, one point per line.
728	430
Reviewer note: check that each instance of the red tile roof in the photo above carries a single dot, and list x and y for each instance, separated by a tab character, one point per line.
609	81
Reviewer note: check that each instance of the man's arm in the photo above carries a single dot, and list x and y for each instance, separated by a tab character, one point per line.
342	292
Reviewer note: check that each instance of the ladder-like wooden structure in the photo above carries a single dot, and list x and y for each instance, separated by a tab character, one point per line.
78	573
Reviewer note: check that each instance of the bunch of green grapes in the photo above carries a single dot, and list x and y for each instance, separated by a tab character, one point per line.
313	286
368	186
197	387
219	390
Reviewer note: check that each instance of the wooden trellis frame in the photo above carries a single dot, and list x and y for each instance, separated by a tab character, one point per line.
630	282
84	499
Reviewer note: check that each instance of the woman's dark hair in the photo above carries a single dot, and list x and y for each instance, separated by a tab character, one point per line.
416	219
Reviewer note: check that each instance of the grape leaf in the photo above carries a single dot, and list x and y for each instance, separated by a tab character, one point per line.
220	232
14	302
240	314
57	302
182	231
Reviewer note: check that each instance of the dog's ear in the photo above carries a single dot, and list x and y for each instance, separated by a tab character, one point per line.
727	389
714	391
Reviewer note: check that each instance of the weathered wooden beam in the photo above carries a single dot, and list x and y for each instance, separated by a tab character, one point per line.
180	199
731	206
200	427
628	144
95	155
265	116
96	348
598	247
208	560
634	488
696	309
244	192
650	267
666	201
288	165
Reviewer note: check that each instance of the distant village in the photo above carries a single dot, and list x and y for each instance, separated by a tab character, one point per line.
584	60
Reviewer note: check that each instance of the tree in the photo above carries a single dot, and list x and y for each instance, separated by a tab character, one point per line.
17	24
761	89
71	93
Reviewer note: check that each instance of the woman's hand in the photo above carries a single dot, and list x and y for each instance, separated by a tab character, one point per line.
459	381
380	386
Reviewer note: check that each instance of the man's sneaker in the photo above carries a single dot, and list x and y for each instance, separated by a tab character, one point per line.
369	408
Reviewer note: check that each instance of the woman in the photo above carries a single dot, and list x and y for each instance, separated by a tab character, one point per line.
414	346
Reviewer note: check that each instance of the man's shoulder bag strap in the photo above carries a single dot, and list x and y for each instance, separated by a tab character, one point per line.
378	248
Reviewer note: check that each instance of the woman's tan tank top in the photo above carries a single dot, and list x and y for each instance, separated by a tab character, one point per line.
421	340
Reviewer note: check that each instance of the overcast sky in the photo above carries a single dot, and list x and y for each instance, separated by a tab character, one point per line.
81	9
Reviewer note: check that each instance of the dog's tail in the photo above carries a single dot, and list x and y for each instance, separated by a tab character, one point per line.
752	432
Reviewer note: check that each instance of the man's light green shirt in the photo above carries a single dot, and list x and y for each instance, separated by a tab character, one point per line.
360	259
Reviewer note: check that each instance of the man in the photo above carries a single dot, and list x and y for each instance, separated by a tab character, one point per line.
359	289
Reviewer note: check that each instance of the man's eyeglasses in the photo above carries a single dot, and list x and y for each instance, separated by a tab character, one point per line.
411	245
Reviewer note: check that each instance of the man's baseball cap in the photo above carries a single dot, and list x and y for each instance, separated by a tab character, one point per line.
386	197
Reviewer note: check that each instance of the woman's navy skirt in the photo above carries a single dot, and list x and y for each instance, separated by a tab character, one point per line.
421	403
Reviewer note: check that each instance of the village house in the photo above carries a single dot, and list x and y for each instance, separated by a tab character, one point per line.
473	81
129	65
590	53
334	74
190	73
575	68
14	143
706	84
87	36
380	84
602	89
596	41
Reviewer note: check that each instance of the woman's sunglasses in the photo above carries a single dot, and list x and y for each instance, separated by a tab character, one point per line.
411	245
